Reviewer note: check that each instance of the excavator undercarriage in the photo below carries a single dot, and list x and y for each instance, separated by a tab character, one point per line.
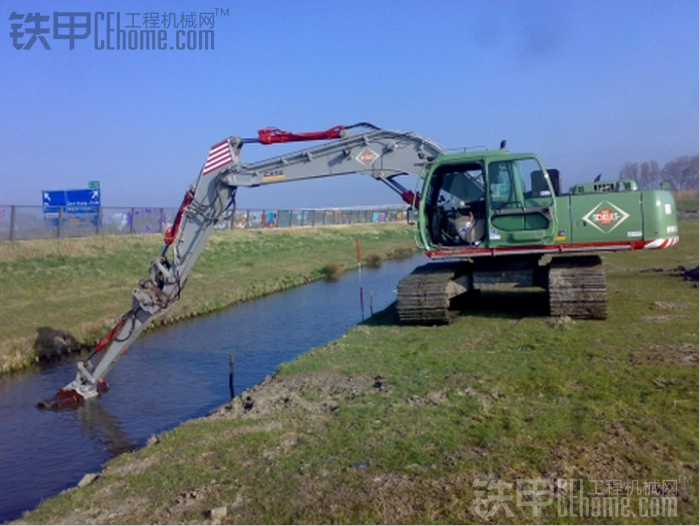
433	293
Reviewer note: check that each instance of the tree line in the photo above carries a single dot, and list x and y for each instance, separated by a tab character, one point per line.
679	174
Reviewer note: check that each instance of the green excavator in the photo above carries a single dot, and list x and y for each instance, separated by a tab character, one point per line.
485	218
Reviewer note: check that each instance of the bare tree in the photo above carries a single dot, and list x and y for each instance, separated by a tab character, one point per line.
682	173
649	175
630	171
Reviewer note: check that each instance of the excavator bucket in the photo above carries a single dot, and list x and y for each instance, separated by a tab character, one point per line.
66	399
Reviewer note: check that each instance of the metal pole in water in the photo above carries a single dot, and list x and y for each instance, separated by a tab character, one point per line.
230	375
359	273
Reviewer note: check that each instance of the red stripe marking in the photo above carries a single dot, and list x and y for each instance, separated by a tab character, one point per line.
219	156
547	249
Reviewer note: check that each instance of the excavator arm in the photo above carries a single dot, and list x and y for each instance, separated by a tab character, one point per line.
381	154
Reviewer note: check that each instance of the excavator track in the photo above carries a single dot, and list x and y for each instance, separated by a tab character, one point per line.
424	296
577	288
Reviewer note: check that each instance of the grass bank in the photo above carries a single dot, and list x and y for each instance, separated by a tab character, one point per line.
393	424
70	292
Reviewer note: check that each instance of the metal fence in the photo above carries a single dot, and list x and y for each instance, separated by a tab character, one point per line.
33	222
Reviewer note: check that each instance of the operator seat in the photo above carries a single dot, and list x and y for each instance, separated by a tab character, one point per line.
470	229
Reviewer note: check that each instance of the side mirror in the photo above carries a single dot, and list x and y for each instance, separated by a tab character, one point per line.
409	219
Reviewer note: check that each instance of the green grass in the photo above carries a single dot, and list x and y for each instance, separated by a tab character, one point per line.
82	286
396	424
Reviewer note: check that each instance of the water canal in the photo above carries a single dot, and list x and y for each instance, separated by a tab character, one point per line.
169	376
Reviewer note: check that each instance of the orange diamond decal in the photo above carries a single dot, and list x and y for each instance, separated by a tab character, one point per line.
367	156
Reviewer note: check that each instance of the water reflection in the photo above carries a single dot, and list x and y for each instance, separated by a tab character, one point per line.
99	425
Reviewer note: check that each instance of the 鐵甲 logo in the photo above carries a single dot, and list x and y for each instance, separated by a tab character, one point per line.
112	31
606	217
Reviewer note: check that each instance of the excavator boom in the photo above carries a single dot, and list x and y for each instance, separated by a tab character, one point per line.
382	154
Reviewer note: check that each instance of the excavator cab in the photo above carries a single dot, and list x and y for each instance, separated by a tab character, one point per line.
456	204
489	199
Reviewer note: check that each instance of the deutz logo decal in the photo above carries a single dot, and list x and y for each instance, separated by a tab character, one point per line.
606	217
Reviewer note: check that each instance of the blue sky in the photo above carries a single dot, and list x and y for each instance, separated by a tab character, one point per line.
588	85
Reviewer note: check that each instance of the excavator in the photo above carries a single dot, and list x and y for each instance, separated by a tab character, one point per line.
484	217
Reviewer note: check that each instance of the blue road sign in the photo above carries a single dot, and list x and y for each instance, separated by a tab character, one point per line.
53	198
82	205
86	197
81	198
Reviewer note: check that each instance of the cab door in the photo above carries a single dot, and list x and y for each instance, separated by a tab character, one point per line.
521	203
